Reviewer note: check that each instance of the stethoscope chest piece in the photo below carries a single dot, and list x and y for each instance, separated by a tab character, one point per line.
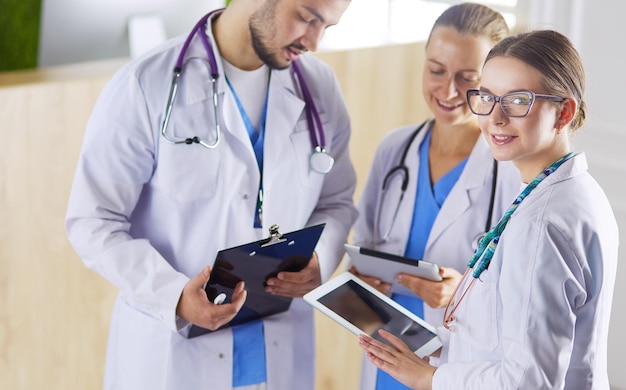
321	161
476	240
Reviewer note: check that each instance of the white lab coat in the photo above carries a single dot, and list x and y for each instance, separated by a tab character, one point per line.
148	215
458	225
538	317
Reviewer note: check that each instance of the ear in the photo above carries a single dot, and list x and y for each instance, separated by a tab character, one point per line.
569	107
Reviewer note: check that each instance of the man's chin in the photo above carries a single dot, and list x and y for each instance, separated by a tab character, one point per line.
275	63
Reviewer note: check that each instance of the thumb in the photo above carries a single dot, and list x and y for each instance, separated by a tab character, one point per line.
198	281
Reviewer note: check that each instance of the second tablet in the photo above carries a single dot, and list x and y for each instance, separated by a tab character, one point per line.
386	266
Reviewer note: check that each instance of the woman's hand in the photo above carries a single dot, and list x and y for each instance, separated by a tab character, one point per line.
373	281
398	361
435	294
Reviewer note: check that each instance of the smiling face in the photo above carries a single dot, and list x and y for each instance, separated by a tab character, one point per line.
281	30
532	142
453	64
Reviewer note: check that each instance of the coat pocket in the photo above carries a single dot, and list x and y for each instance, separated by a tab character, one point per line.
482	325
187	172
303	149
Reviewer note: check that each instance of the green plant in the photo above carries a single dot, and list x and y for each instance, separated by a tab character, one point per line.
19	33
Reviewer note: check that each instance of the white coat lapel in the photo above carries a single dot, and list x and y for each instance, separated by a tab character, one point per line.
233	121
196	74
196	79
459	200
199	91
405	213
284	108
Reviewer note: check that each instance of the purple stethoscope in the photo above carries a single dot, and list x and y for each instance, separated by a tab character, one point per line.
320	161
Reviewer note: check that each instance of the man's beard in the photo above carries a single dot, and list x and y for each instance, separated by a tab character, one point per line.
262	26
265	54
261	50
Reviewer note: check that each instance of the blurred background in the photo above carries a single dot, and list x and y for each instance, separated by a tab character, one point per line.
376	39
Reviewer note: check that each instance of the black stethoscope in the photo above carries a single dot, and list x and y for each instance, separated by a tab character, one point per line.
320	161
403	169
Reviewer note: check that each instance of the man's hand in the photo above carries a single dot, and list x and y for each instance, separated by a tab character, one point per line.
194	305
296	284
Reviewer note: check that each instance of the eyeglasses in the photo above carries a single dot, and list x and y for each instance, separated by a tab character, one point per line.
514	104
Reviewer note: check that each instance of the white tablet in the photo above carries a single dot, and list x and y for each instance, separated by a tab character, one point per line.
386	266
362	309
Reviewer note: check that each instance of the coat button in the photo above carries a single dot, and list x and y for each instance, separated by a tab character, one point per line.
245	196
221	356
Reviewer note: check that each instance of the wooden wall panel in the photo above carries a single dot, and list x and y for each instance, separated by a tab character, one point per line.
55	313
382	88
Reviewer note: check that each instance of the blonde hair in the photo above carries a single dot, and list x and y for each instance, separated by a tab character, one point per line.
475	20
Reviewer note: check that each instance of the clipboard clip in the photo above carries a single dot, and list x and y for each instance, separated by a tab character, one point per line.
275	237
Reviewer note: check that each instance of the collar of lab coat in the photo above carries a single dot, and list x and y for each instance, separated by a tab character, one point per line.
462	196
283	109
569	169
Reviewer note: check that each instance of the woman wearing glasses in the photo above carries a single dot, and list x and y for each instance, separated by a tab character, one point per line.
455	191
532	311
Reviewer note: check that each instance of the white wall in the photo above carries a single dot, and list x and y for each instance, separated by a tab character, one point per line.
597	29
601	33
88	30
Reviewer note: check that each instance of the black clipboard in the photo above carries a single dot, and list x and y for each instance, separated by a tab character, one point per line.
254	263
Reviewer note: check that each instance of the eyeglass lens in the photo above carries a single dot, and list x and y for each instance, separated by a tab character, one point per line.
515	104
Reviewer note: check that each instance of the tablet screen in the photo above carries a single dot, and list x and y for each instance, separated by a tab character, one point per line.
367	312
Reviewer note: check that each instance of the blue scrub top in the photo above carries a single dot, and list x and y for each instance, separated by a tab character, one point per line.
428	201
249	363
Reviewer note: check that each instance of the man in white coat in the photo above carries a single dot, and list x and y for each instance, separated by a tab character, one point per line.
149	215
